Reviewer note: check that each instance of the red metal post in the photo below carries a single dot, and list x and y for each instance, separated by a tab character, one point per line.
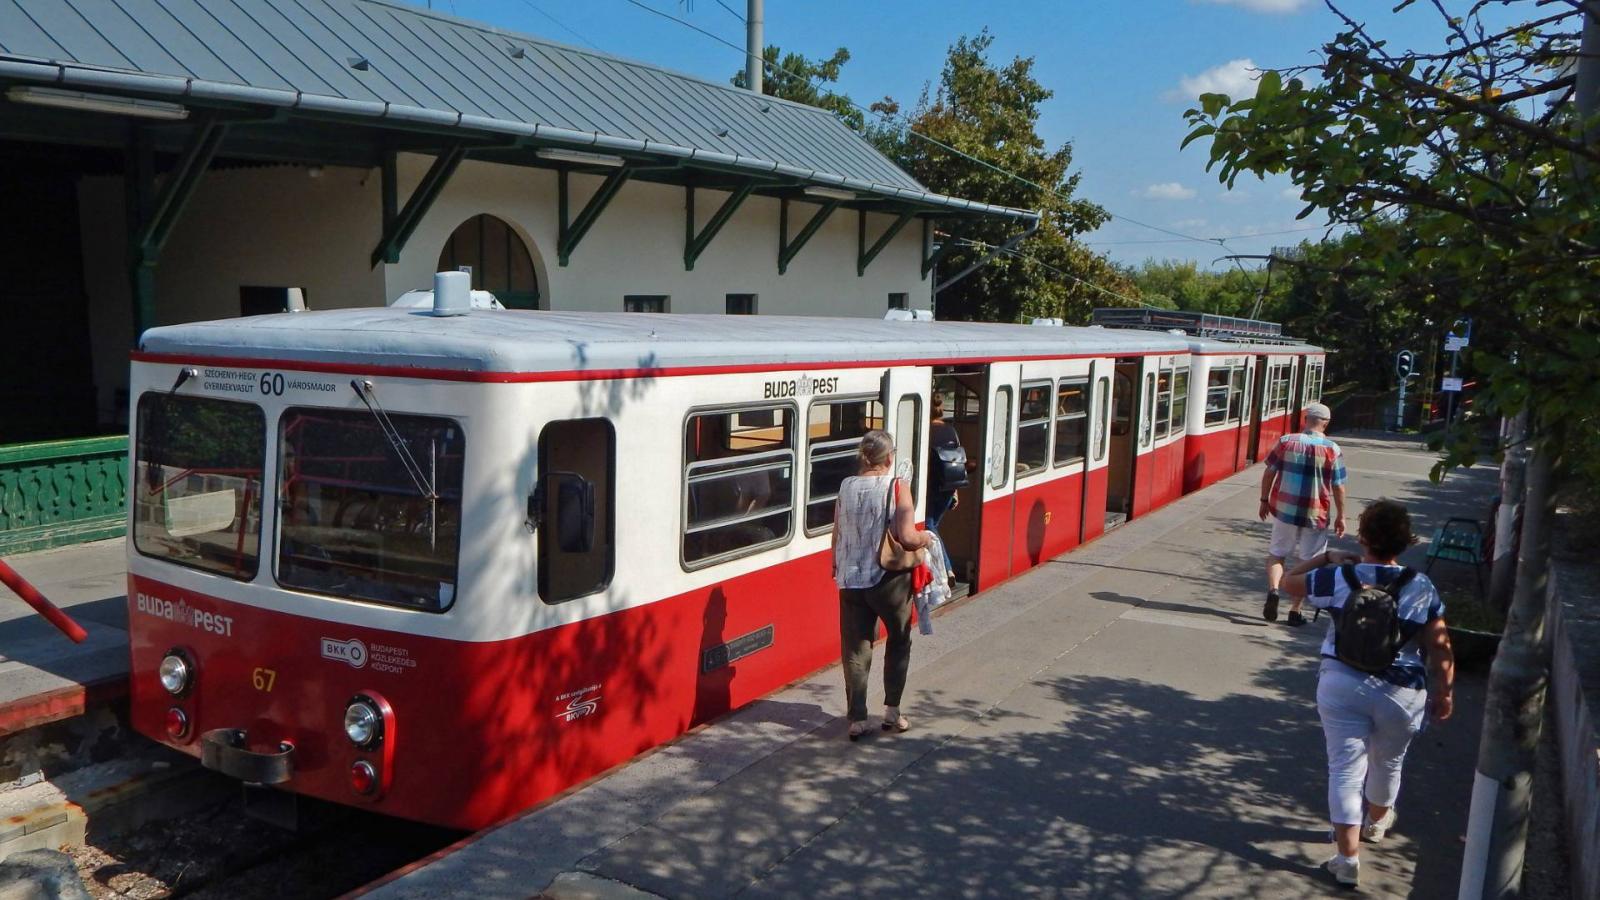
31	596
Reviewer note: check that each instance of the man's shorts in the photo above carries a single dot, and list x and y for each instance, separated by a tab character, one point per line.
1296	541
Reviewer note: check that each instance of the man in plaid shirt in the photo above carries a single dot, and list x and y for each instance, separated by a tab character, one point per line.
1303	473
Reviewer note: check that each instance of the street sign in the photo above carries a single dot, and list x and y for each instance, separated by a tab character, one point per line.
1454	343
1451	385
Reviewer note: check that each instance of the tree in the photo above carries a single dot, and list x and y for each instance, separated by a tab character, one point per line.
791	76
992	113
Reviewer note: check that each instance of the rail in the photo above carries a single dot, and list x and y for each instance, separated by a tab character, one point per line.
56	493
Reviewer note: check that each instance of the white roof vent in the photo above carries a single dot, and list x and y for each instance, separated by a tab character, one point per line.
908	315
424	300
452	293
1052	322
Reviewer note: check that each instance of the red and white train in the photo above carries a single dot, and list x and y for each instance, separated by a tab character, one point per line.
446	566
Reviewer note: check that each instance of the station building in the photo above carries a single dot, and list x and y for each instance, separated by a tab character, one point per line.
171	160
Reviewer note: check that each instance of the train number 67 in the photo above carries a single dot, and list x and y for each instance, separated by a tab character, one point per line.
263	679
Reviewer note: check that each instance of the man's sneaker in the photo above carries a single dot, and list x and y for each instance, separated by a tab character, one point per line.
1373	832
1346	872
1269	610
1295	618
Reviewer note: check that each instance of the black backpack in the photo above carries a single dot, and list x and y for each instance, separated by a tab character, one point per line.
949	460
1366	636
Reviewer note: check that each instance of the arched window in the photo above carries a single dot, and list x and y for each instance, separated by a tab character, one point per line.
500	261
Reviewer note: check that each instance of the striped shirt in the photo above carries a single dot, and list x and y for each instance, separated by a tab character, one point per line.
1308	468
1419	604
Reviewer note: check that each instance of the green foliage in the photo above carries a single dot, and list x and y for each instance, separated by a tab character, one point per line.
1460	205
992	112
791	76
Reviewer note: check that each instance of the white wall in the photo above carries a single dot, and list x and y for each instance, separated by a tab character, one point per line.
279	226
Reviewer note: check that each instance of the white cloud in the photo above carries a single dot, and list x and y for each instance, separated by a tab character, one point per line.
1272	7
1235	196
1190	223
1166	190
1236	78
1290	193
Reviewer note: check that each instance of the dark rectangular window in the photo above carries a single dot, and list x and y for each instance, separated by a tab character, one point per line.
1217	395
738	482
646	303
577	449
1180	400
1236	394
371	508
833	432
197	490
899	300
741	304
1072	420
1163	420
1033	428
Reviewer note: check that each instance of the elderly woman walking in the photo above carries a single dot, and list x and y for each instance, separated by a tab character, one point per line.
870	502
1376	683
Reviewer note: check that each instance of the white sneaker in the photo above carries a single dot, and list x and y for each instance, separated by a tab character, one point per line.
1373	832
1348	874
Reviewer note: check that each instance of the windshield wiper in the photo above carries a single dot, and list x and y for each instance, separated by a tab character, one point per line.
423	481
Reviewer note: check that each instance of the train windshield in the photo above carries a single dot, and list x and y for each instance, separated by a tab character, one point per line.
197	491
371	508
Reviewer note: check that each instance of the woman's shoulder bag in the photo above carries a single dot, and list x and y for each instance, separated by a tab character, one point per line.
893	555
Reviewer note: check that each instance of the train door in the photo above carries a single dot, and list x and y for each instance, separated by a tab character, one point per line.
1096	465
999	450
1239	381
1255	402
962	392
1144	474
1297	390
1124	442
903	394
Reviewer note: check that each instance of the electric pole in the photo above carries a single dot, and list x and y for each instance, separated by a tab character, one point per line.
754	60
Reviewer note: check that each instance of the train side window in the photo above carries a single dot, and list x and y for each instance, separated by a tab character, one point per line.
1236	390
908	440
1163	420
369	506
583	449
834	429
1217	384
738	490
197	482
1033	428
1180	400
1149	409
1000	438
1102	388
1072	420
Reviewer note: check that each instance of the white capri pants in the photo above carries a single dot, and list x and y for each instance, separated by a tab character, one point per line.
1367	723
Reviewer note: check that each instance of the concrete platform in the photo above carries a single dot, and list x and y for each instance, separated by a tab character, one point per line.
43	676
1118	722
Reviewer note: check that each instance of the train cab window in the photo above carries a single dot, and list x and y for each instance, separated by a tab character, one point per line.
1102	388
370	506
908	441
1236	389
1072	420
1000	439
738	493
1180	401
834	429
576	508
197	482
1033	428
1217	382
1163	403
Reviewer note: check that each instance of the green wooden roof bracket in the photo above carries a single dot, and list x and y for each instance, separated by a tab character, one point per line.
397	228
864	254
696	244
572	230
788	250
152	216
197	155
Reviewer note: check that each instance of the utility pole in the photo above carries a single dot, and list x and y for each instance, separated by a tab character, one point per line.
754	60
1497	827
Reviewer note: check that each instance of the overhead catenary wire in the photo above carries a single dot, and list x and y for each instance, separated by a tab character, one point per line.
983	245
1220	242
560	24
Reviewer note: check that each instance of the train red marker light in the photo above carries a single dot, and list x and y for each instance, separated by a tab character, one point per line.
177	723
363	778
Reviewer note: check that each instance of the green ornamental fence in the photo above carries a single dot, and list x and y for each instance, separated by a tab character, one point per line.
62	492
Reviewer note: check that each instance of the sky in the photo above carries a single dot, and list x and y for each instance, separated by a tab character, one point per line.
1122	71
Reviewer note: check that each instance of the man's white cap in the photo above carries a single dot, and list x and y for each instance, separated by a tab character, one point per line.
1319	411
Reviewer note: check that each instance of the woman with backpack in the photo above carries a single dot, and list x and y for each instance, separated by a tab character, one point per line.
1386	664
947	472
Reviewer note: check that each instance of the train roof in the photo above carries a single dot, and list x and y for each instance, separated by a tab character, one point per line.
1213	347
515	341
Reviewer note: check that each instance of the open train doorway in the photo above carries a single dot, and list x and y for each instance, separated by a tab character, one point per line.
1257	401
1124	442
957	394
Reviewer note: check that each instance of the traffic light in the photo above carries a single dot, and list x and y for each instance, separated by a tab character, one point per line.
1403	362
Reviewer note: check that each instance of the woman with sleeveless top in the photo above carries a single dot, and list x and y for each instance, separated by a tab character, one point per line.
867	592
1369	717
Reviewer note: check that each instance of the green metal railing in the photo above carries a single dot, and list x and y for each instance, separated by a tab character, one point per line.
62	492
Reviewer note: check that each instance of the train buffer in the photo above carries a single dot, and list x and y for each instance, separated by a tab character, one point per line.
1118	721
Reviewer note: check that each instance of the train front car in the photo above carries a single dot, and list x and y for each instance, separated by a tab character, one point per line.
297	581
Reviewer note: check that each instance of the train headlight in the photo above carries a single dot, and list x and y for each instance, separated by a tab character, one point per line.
363	724
175	673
